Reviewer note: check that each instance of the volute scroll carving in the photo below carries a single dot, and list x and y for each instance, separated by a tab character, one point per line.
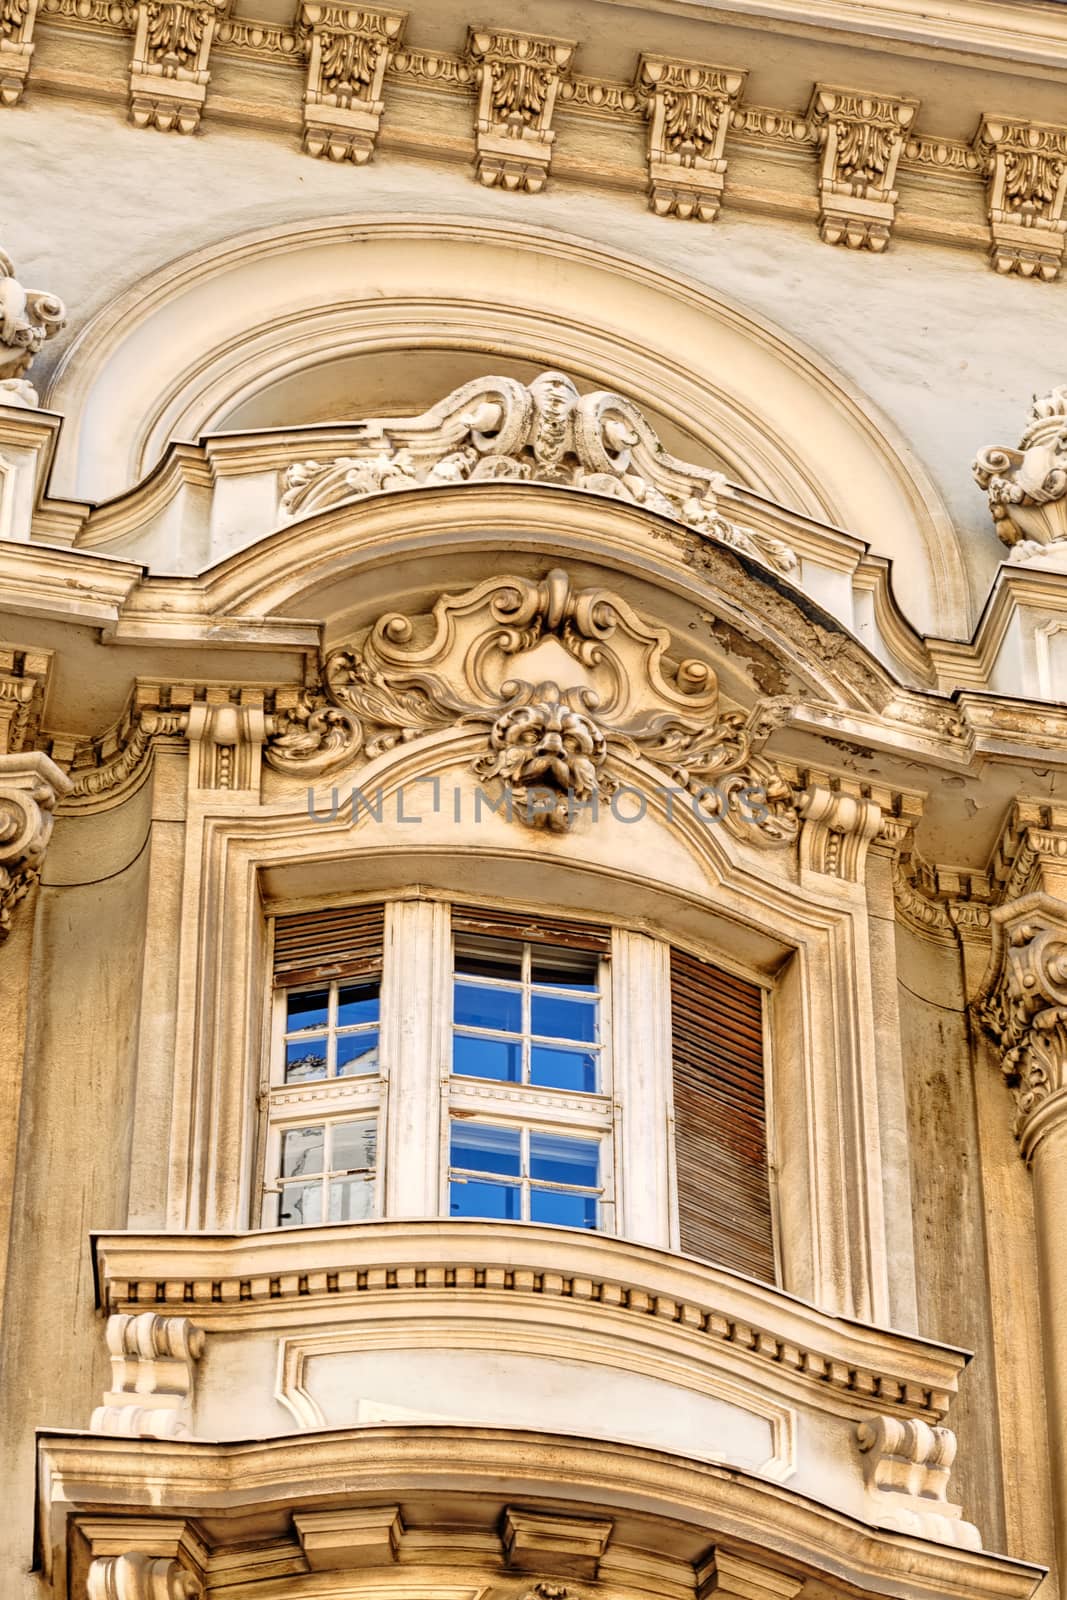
1027	487
27	318
459	667
544	432
139	1576
30	786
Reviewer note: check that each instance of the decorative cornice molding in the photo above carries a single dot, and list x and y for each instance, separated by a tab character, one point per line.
1027	487
349	50
1025	165
861	139
689	107
517	76
153	1363
169	72
543	432
1031	853
30	785
27	318
906	1466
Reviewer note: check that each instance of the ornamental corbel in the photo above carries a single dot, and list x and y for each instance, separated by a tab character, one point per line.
169	73
689	107
570	1546
906	1466
17	18
1027	487
140	1576
837	830
30	785
153	1365
518	77
27	318
861	139
349	51
226	739
1025	164
23	680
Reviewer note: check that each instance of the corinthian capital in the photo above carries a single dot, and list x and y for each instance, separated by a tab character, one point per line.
30	785
1023	1007
27	318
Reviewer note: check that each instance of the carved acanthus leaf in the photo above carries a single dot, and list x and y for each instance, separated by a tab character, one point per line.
1027	487
30	785
169	73
27	318
17	18
1026	167
861	139
349	51
459	667
518	77
544	432
689	107
1023	1004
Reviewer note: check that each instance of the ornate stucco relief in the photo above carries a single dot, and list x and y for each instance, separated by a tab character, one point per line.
689	107
169	72
861	139
348	50
517	76
1025	164
27	318
17	18
459	667
30	785
544	432
1027	487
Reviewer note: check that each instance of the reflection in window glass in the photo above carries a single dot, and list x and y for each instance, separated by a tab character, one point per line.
555	1177
328	1172
331	1032
531	1000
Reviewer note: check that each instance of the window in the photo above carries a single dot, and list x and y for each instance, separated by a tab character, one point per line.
547	1071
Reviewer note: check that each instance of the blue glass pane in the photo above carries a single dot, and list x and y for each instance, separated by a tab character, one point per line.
562	1210
357	1052
563	1019
474	1199
486	1058
480	1148
563	1069
357	1002
306	1008
557	1159
305	1058
476	1007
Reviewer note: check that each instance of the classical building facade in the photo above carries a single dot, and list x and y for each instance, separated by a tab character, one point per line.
533	800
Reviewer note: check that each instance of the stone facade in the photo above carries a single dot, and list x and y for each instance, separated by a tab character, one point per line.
431	565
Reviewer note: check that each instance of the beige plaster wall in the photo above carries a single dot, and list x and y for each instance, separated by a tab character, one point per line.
947	349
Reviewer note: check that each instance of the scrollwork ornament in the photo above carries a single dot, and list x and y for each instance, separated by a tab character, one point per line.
139	1576
1024	1006
312	737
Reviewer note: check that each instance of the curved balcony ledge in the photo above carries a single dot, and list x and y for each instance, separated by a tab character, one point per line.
487	1324
480	1507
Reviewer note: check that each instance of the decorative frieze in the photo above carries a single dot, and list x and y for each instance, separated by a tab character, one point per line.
518	77
544	432
139	1576
169	73
906	1466
1027	487
27	318
861	139
17	18
349	50
153	1361
1025	165
689	107
30	785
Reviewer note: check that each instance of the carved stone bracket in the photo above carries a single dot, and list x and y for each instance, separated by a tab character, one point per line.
169	73
544	432
27	318
1026	167
1031	853
226	741
837	830
689	108
461	666
30	785
153	1362
349	50
906	1466
23	679
570	1546
1023	1008
1027	487
17	18
138	1576
861	139
518	77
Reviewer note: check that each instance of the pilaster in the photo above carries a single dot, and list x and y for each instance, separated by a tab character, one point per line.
415	1015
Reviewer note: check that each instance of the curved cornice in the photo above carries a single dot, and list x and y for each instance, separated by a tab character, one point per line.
602	314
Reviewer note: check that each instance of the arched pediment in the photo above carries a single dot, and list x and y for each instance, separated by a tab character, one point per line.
202	346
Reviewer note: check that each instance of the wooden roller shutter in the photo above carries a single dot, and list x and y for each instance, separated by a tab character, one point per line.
724	1197
317	946
527	925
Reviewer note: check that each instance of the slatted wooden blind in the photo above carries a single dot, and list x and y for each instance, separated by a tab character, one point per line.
490	922
317	946
724	1198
